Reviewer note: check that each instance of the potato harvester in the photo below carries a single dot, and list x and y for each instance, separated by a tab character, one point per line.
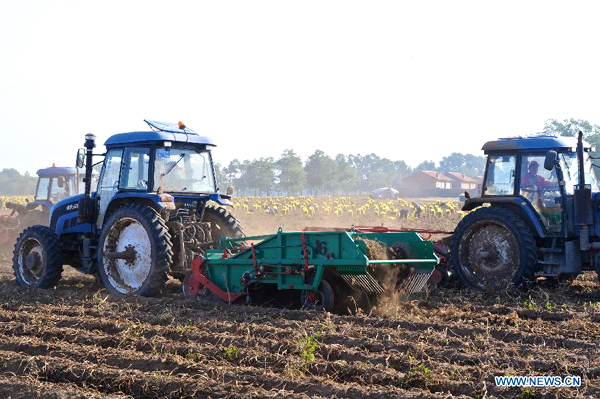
320	269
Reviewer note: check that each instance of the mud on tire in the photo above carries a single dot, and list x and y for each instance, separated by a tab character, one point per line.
141	230
37	261
492	248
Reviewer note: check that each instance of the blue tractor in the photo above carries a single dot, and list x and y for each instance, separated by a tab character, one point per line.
538	215
149	217
54	184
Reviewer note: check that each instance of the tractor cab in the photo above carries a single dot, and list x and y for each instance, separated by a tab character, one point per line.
515	171
537	215
172	162
54	184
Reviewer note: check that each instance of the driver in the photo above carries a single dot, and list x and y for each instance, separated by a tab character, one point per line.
531	182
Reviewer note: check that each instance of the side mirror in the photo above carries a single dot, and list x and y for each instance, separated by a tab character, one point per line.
229	190
60	181
550	161
80	158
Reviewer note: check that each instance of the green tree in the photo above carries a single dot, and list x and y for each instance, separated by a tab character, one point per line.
346	175
259	175
291	175
569	127
470	165
222	180
320	172
426	165
14	183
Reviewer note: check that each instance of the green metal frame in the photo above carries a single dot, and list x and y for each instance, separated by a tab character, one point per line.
282	256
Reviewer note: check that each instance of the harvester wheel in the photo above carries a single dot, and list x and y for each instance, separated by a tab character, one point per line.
492	248
322	300
37	259
134	251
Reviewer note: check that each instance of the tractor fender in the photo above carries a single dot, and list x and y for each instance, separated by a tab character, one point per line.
45	204
151	200
517	205
221	199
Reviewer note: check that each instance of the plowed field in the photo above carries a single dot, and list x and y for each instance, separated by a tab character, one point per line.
76	341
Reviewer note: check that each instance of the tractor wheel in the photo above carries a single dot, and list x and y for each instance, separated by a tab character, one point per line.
492	248
223	223
322	300
37	259
134	251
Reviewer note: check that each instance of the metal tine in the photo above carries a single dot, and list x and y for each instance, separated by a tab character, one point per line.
373	284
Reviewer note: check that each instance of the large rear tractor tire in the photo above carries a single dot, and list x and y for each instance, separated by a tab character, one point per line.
493	248
37	261
134	251
223	223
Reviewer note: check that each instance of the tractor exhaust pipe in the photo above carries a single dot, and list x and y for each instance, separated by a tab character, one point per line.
86	213
583	200
86	206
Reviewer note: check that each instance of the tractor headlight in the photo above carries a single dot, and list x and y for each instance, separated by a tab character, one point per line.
166	198
167	201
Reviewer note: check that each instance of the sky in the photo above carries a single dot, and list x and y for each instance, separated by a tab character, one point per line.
407	80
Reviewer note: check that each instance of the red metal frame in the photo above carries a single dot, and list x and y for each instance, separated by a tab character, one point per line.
199	279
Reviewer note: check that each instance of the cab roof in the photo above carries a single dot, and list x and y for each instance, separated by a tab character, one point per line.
162	131
532	143
59	171
62	171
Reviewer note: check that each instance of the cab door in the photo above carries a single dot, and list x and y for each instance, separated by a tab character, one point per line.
108	185
540	187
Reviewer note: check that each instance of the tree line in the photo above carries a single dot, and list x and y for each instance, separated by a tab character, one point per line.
14	183
323	174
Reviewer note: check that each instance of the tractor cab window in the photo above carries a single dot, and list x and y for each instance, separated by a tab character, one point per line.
59	189
183	170
500	177
109	181
571	172
134	175
540	187
43	188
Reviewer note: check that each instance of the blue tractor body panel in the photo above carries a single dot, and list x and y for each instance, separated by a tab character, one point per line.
45	204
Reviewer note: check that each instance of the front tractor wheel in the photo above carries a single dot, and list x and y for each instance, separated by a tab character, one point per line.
134	251
493	248
37	261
